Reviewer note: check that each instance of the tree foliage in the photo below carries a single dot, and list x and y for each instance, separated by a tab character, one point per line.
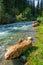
11	10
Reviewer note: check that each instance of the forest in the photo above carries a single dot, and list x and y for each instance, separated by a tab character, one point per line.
12	11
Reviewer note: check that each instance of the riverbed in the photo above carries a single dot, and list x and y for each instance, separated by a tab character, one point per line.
10	34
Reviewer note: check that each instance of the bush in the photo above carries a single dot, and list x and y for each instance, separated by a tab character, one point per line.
27	13
40	19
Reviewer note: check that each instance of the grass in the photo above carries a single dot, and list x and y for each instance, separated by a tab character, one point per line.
35	54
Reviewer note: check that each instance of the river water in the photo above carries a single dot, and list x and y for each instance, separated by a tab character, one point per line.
10	34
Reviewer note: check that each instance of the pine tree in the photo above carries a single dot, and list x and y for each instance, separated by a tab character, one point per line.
38	9
33	8
41	5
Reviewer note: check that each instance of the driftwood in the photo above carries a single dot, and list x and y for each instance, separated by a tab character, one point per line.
16	50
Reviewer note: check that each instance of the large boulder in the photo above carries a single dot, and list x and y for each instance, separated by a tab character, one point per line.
34	24
18	49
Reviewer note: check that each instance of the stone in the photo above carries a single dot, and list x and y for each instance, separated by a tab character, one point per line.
34	24
30	38
23	58
18	49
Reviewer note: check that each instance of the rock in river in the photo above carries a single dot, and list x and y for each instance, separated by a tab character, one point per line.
18	49
34	24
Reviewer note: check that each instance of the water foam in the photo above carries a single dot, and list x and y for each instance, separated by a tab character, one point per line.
25	27
2	33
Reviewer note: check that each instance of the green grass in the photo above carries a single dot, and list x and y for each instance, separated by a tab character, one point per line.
35	54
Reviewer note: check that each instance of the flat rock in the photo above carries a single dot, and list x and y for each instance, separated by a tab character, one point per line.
16	50
35	24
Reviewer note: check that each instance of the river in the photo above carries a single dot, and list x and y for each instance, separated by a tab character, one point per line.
10	34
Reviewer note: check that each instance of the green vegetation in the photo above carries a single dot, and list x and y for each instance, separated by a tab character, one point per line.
19	10
35	54
40	19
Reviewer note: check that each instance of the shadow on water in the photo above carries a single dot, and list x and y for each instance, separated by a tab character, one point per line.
17	62
26	54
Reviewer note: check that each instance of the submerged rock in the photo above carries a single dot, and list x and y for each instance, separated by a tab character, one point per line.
23	58
18	49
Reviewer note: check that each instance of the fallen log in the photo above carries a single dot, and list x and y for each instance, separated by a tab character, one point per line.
16	50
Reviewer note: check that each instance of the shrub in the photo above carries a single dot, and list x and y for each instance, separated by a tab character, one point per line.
40	19
27	12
